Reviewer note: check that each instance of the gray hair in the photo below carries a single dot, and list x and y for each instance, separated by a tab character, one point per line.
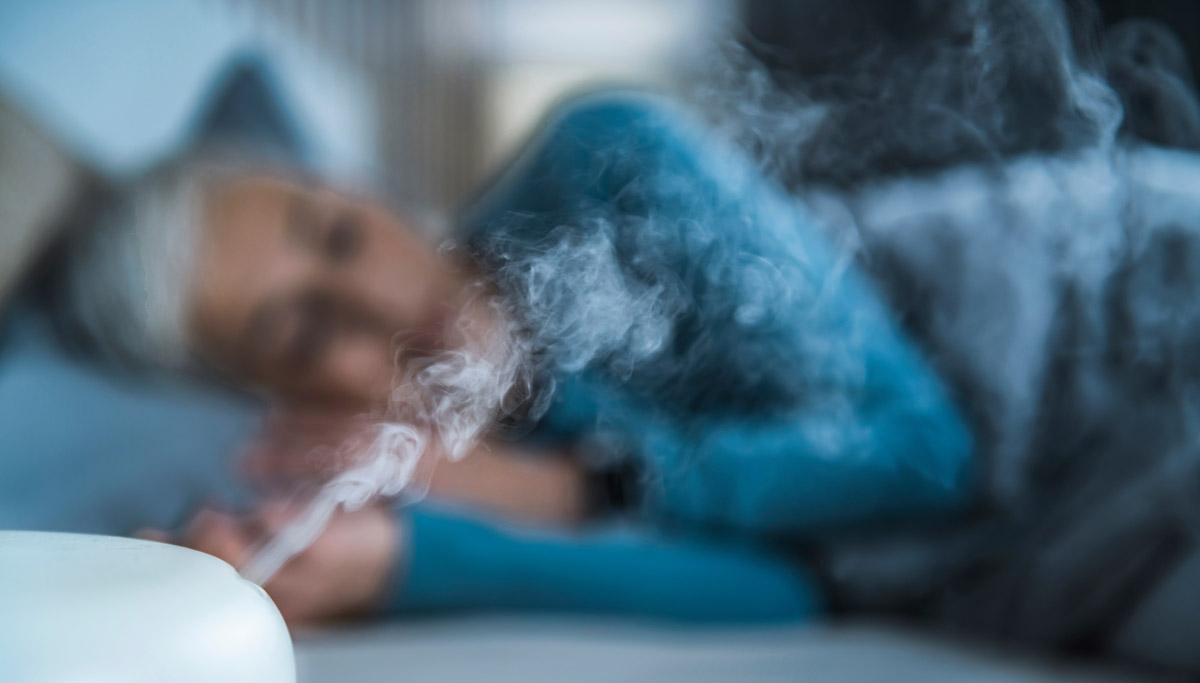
128	275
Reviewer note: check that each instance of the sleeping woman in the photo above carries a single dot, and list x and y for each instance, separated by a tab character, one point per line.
967	395
717	387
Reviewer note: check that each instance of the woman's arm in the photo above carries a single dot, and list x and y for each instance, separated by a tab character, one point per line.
454	561
427	559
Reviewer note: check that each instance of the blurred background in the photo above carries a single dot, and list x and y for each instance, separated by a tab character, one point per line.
425	95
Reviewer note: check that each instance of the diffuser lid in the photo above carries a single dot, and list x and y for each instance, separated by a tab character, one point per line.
100	609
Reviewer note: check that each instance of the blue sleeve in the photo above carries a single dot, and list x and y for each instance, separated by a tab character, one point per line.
809	475
896	457
455	562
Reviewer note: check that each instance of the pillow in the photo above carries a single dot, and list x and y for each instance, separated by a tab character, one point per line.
86	450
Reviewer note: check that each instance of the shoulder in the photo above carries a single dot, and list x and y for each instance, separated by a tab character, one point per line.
606	117
584	145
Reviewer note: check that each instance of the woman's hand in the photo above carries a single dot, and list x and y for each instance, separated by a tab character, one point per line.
497	478
343	574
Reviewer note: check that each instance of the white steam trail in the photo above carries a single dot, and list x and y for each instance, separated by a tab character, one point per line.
390	463
440	405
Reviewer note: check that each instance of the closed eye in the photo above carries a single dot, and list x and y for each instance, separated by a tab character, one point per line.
344	238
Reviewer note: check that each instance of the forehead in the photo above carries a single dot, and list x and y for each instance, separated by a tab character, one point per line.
244	222
234	205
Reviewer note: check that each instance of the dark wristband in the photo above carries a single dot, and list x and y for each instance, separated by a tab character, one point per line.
612	490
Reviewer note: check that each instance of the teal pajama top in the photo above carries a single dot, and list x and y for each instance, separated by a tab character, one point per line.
802	411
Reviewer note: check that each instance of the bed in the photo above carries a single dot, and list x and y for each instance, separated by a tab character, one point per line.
503	649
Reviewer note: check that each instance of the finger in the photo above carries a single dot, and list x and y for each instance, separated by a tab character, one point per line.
221	535
152	534
276	514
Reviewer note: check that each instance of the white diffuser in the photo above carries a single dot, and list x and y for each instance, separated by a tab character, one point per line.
115	610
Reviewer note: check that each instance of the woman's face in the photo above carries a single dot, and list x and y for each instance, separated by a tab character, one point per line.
309	294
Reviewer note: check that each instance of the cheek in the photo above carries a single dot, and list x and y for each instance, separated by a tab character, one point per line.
362	367
397	278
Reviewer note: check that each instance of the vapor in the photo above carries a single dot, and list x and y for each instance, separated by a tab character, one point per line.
977	161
